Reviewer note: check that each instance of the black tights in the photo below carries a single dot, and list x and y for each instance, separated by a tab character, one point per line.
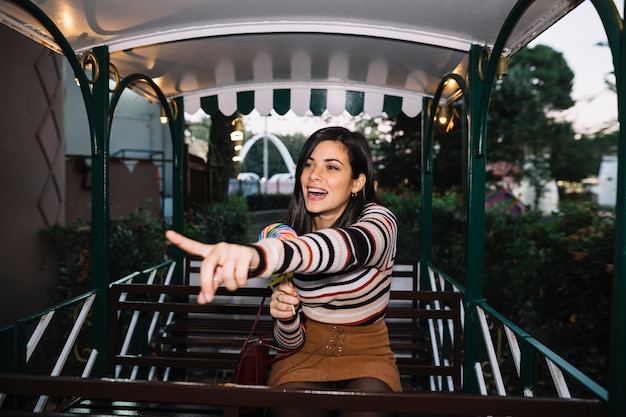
358	384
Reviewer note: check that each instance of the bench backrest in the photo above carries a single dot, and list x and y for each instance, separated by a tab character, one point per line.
424	327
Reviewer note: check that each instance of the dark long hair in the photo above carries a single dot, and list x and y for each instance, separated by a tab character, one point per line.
361	162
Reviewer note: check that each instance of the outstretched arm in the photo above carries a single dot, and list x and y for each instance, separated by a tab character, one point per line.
223	262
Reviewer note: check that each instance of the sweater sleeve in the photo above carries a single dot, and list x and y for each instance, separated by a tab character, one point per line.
289	334
371	241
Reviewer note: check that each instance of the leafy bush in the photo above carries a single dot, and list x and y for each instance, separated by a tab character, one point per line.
218	222
137	242
447	228
551	276
406	207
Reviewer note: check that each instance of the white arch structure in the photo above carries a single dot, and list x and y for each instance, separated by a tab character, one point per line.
282	149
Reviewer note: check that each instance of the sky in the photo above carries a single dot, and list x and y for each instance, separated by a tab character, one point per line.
576	36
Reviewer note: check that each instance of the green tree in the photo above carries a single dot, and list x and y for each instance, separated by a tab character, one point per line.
396	147
575	159
201	130
397	154
221	154
521	127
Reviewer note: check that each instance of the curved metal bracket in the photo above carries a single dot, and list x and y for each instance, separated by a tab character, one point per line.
171	112
492	66
87	58
428	134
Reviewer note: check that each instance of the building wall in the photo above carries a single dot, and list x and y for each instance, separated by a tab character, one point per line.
136	132
43	121
32	179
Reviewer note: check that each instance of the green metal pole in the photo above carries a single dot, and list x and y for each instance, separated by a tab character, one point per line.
617	357
426	218
475	206
100	211
178	221
429	112
528	369
481	84
614	26
176	123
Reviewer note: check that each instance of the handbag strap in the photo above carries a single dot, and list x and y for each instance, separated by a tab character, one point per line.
258	316
286	351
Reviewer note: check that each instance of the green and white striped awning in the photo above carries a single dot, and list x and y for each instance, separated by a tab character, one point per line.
368	56
307	101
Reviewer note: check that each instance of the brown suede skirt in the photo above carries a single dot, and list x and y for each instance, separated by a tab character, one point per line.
333	352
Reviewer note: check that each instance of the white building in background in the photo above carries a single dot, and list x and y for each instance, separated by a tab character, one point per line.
548	202
605	190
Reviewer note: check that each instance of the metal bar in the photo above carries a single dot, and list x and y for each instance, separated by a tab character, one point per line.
565	366
67	347
177	130
20	346
452	330
481	85
426	195
71	339
528	369
100	265
514	347
438	386
448	279
614	26
131	327
155	316
480	377
90	363
491	353
44	321
489	76
21	343
559	381
429	110
7	361
474	245
127	340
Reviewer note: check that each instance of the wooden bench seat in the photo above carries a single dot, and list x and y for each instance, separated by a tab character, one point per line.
107	397
207	338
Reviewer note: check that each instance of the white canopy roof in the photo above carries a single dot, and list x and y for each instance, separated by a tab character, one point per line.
361	55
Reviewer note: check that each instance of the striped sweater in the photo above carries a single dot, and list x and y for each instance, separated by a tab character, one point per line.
342	275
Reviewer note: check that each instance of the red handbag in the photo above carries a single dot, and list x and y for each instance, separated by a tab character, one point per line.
254	359
253	363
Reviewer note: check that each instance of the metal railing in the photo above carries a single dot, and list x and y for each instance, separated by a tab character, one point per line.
53	337
133	328
493	373
524	351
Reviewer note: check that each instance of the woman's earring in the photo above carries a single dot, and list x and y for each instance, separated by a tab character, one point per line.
353	195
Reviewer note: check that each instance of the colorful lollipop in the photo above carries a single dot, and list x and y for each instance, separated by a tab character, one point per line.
279	231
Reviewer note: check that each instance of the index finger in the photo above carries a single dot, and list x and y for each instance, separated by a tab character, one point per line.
188	245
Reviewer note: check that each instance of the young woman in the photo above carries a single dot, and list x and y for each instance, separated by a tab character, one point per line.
341	263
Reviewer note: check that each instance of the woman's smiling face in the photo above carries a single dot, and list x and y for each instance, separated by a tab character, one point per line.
327	183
